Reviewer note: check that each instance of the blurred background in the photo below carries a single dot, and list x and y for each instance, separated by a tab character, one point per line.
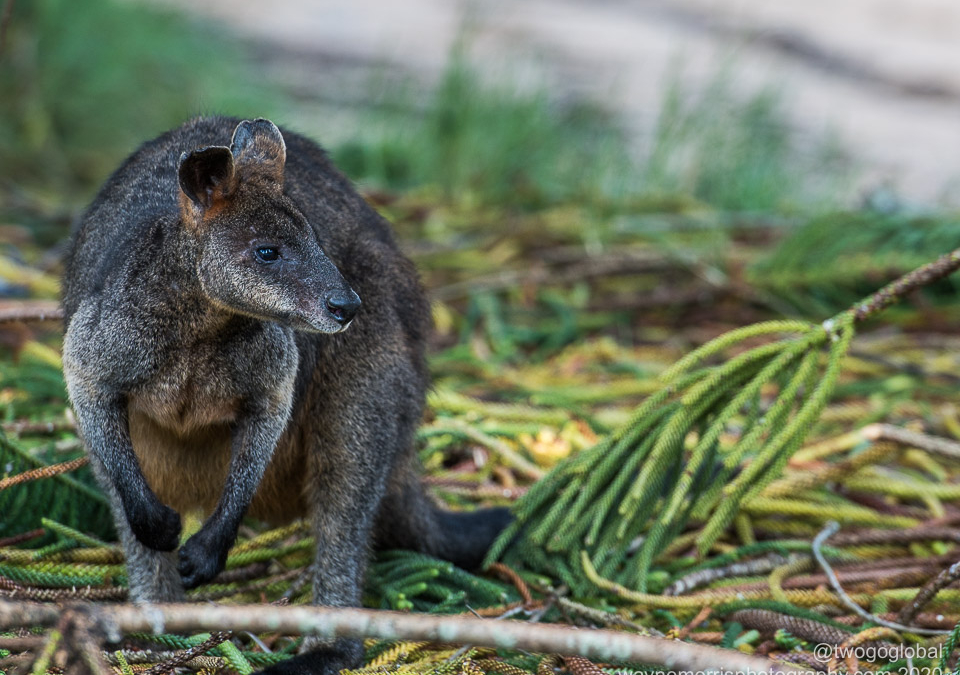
882	76
856	98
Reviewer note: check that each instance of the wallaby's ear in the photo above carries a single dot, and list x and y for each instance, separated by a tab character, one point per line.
258	150
207	175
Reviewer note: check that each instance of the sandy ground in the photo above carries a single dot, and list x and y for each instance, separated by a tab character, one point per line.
883	75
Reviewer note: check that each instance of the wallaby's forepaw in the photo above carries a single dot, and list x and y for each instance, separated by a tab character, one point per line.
157	528
201	559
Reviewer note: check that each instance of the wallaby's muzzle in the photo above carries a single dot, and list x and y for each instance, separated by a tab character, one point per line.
343	306
328	307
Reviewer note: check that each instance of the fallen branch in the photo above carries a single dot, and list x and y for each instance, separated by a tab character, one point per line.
934	444
940	268
34	311
115	620
43	472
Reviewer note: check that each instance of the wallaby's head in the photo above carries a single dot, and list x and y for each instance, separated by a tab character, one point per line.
257	254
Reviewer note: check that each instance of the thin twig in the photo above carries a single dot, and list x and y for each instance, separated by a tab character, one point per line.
22	537
33	311
508	574
938	269
700	618
43	472
831	528
927	593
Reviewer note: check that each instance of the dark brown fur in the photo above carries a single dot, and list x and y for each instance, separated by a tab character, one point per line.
205	374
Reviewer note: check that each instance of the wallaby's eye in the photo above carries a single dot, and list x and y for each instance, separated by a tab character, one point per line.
267	254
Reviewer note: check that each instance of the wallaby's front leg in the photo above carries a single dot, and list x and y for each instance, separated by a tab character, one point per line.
204	554
102	419
353	448
151	575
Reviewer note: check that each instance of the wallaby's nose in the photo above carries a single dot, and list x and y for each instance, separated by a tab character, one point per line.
343	305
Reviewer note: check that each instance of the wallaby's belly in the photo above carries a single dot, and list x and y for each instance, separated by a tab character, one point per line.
187	469
180	425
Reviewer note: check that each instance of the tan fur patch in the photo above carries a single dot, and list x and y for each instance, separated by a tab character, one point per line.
187	470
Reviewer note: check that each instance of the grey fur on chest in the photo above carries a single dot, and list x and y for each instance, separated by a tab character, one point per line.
184	369
215	378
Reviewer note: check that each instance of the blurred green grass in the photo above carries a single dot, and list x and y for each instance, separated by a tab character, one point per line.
510	144
84	83
723	181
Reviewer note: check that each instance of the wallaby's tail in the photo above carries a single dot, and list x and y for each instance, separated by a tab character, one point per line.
409	519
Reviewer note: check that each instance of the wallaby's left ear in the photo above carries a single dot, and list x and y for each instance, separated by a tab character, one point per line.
207	175
258	150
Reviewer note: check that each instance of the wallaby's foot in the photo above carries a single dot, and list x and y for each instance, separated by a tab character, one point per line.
156	526
202	557
324	661
468	535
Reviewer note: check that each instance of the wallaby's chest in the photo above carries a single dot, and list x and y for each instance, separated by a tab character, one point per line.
191	389
200	381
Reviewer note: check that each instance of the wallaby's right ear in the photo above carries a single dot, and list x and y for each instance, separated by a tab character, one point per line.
207	175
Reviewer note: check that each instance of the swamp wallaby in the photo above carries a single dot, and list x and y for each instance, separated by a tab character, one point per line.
218	356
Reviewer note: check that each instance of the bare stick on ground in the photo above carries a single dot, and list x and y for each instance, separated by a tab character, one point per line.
942	267
32	312
605	645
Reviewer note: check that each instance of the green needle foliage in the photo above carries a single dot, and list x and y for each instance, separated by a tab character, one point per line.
803	270
668	463
676	462
68	499
404	580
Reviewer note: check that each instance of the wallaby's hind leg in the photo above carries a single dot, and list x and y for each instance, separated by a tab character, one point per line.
152	575
409	519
